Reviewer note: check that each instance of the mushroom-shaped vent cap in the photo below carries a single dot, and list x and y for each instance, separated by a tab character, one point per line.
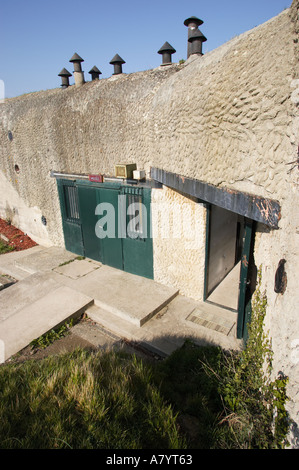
117	60
197	34
194	20
64	73
166	48
76	58
95	70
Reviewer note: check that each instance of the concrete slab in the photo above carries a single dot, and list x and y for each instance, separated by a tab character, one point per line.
133	298
45	259
39	317
166	331
77	268
25	292
8	262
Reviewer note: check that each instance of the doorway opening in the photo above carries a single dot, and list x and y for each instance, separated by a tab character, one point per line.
225	241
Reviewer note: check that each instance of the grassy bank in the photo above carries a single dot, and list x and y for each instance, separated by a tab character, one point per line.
84	400
110	400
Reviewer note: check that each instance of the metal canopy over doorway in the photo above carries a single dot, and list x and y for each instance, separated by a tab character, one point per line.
232	215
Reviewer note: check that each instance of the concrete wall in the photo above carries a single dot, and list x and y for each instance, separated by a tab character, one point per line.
229	118
179	228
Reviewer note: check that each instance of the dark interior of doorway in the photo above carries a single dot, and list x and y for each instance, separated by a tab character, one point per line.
225	245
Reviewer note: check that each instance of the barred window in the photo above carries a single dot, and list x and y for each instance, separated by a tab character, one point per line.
136	214
71	202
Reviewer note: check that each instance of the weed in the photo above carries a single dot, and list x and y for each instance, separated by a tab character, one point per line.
48	338
71	260
254	403
5	248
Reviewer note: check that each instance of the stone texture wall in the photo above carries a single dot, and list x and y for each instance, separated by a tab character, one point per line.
179	228
229	118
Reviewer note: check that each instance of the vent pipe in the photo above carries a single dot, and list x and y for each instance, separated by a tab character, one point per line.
117	62
166	51
95	73
192	23
196	39
78	74
64	74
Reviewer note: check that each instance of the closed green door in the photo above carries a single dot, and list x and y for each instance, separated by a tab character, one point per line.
138	243
99	216
107	225
70	213
88	201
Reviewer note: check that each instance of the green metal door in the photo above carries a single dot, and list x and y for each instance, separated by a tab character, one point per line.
111	244
108	223
137	242
70	213
99	216
88	203
247	280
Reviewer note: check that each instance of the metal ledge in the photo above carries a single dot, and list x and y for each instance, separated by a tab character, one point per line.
260	209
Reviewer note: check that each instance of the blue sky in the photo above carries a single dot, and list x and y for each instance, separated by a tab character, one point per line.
38	37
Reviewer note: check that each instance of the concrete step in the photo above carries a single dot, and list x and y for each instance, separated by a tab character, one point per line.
8	263
35	318
120	328
130	297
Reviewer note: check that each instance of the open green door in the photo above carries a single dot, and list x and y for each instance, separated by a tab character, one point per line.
247	281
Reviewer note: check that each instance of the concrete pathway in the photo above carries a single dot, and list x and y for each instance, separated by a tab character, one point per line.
53	285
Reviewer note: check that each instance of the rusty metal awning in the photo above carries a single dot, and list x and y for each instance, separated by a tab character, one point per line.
260	209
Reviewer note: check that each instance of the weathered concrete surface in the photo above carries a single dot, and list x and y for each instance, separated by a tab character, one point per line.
170	328
36	317
131	297
44	260
8	262
179	228
128	306
77	268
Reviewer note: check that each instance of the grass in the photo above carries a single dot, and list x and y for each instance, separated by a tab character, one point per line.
80	258
112	400
103	400
5	248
